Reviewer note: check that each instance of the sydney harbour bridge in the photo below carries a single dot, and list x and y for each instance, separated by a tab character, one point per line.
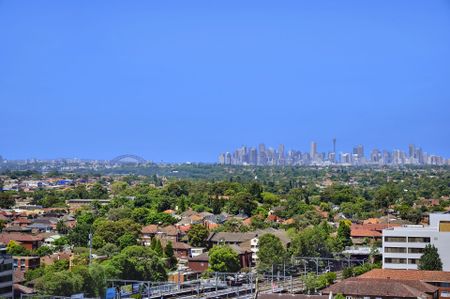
128	159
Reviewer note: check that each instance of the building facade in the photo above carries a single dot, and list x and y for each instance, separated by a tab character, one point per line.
403	246
6	274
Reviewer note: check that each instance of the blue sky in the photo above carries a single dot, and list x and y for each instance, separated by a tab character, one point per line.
186	80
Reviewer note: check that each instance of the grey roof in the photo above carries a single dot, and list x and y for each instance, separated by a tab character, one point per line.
230	237
204	257
280	233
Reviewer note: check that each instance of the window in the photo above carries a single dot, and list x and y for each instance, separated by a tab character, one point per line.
6	278
389	260
418	239
413	261
395	249
6	290
6	267
395	239
444	226
415	250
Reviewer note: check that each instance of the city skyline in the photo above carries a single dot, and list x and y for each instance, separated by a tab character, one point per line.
357	156
329	152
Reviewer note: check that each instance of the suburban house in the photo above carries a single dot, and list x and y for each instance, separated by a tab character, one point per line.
356	287
247	241
440	279
165	233
200	263
372	232
28	241
181	250
25	263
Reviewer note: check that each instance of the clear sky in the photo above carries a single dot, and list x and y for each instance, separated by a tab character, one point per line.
186	80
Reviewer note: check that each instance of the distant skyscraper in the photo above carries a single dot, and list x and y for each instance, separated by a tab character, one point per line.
271	159
345	158
419	154
332	157
334	145
262	155
375	156
412	151
222	159
252	156
359	151
313	151
227	158
281	154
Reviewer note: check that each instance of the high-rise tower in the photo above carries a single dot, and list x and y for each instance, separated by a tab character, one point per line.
313	151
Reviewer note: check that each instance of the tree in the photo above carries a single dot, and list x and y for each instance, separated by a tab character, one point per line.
343	233
2	224
94	280
79	235
118	187
140	215
311	282
63	283
171	260
15	249
223	259
137	263
6	200
385	196
97	191
116	214
156	246
108	250
243	202
126	240
430	259
255	189
271	251
312	241
160	218
61	227
43	251
112	231
197	235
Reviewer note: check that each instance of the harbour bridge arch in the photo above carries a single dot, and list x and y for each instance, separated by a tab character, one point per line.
126	159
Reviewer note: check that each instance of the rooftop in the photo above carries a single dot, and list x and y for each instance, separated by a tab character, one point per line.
427	276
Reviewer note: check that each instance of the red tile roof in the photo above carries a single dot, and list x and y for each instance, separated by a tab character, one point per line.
427	276
150	229
381	288
365	233
19	237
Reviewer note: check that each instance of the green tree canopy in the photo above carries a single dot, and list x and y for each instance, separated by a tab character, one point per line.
271	251
197	235
430	259
137	263
223	259
343	233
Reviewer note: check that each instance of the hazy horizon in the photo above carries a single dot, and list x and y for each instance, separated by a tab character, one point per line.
186	81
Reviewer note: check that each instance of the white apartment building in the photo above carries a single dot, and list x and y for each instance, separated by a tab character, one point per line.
403	246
